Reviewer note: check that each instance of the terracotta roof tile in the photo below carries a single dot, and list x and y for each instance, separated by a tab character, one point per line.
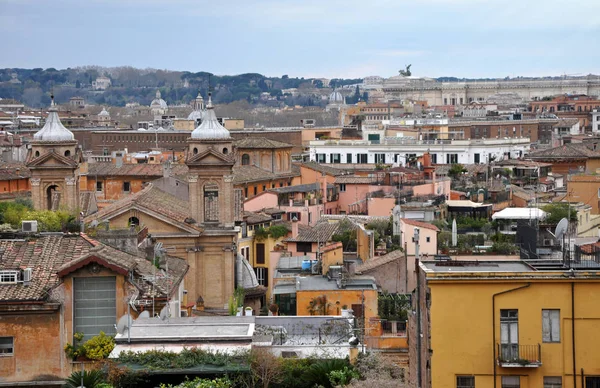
324	169
566	151
12	171
260	142
420	224
322	232
141	169
379	261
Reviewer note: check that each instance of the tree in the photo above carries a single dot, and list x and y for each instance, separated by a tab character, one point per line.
456	170
558	211
265	367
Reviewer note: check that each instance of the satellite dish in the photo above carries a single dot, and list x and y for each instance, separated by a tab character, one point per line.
164	314
561	229
144	314
123	324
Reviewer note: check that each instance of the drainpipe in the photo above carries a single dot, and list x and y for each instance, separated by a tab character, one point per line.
494	323
573	334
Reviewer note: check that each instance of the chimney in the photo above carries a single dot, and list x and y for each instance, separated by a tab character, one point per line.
166	169
426	159
294	227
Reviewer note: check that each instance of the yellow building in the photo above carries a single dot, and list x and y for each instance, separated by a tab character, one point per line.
504	324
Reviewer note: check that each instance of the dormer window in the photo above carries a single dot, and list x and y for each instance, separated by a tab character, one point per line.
8	277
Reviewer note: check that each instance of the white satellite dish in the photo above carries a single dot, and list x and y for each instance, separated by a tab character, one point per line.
144	314
123	324
561	229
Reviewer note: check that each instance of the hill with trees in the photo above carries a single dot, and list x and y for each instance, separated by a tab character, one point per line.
34	86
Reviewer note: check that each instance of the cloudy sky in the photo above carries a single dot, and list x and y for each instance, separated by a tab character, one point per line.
307	38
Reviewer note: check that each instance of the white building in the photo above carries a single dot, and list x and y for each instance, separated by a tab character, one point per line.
398	150
101	83
596	121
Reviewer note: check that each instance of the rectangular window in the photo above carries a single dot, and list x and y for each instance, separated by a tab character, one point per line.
551	325
262	276
321	158
511	382
380	158
98	186
264	188
428	239
349	158
8	277
465	381
304	247
342	187
260	253
255	190
552	382
126	187
362	159
434	158
7	346
477	158
509	335
95	305
336	158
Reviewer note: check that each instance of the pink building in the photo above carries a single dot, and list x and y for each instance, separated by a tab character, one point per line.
427	237
306	202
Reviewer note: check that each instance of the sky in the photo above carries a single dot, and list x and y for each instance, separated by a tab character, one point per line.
307	38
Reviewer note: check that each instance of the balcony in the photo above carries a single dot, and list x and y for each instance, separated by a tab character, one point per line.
519	356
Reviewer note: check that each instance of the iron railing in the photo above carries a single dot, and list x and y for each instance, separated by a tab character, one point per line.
515	355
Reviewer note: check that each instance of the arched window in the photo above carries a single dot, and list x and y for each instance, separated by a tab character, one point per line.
37	153
133	221
225	151
245	160
195	151
67	153
52	197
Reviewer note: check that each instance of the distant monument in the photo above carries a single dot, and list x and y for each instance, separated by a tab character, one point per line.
406	73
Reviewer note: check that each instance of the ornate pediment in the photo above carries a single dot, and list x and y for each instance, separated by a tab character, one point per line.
51	159
210	157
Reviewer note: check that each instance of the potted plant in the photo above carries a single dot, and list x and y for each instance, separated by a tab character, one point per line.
346	312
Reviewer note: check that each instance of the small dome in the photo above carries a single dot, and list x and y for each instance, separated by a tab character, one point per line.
53	129
158	102
210	129
196	115
103	112
160	129
336	96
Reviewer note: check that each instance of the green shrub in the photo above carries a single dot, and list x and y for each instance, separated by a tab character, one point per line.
76	349
222	382
99	347
318	373
278	231
343	376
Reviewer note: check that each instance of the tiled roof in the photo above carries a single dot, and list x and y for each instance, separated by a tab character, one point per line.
44	256
472	169
260	142
522	163
256	217
566	151
590	248
379	261
565	122
420	224
243	174
141	169
305	188
12	171
322	232
324	169
358	180
56	255
152	199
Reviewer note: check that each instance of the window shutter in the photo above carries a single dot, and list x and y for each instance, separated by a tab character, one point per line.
514	333
504	333
555	325
546	326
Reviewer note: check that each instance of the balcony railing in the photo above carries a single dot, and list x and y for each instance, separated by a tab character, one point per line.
519	356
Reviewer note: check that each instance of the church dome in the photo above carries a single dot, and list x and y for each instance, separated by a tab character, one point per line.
336	96
104	112
210	129
158	102
53	130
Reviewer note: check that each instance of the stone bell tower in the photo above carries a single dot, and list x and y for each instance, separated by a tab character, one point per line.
210	161
53	160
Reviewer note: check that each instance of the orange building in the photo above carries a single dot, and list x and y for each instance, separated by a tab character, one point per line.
14	181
